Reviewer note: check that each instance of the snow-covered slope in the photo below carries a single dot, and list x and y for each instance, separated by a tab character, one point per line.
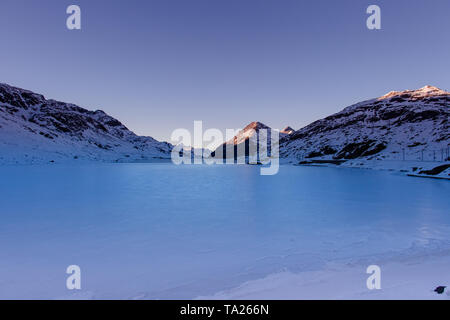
36	130
401	125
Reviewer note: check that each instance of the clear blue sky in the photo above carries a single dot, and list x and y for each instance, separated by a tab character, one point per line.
158	65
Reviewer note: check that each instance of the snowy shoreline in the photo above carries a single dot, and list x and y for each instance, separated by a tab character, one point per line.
403	276
410	168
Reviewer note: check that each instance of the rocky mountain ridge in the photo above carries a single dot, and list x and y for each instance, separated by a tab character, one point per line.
34	129
401	125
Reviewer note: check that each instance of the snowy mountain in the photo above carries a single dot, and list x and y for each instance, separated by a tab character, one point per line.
248	132
288	130
36	130
254	127
401	125
244	140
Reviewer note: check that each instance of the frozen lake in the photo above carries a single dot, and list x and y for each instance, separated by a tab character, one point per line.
162	231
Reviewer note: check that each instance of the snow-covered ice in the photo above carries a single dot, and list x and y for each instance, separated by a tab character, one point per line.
159	231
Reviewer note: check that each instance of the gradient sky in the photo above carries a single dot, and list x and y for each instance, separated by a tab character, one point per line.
158	65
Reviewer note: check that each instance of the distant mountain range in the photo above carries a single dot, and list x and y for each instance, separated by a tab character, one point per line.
399	124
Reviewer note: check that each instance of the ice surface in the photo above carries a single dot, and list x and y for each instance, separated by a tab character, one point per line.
158	231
